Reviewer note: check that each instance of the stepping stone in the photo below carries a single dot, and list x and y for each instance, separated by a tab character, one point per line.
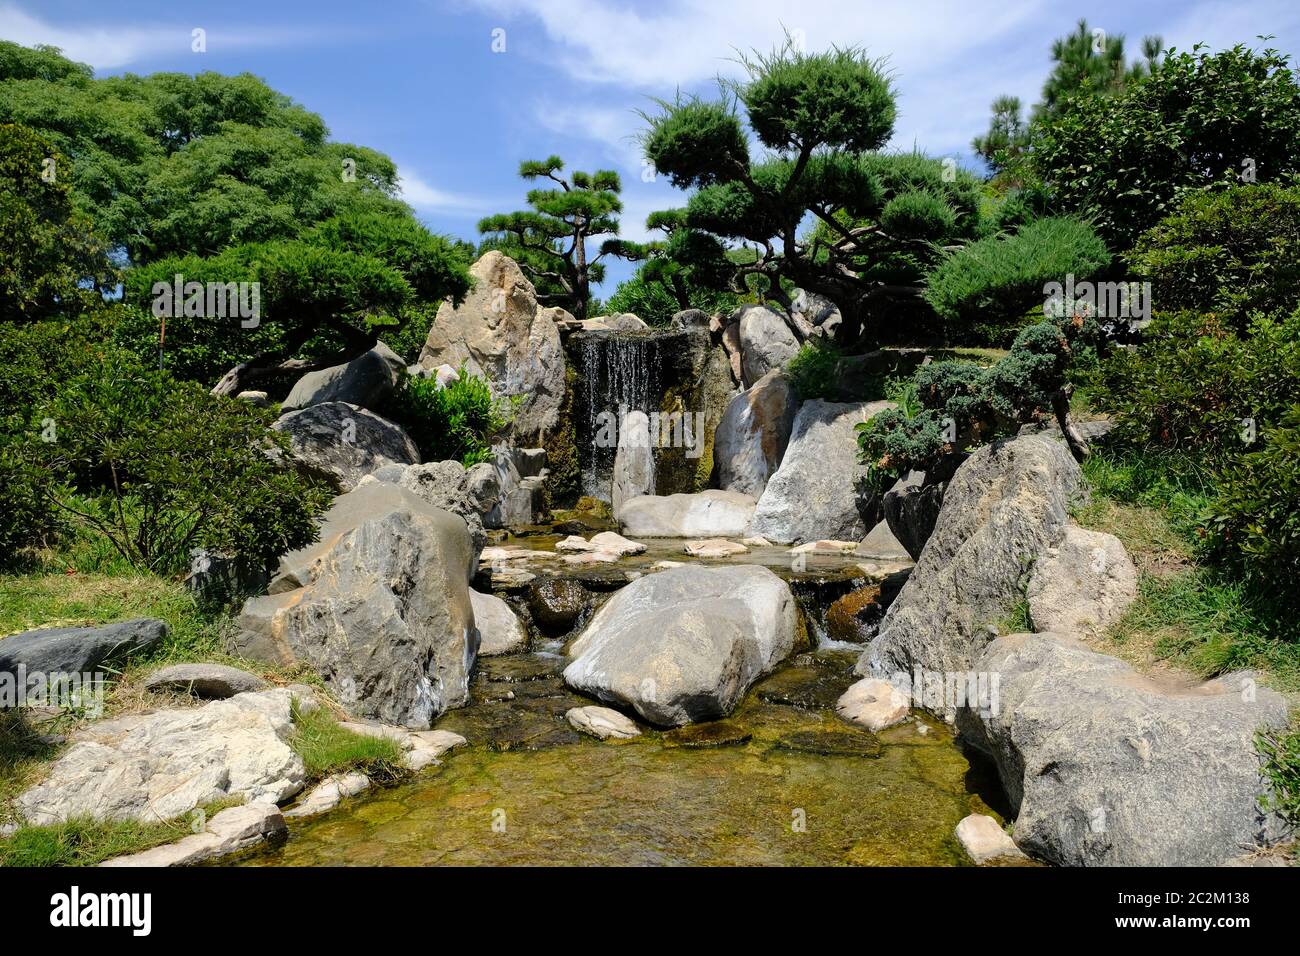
874	703
602	723
718	733
714	548
211	681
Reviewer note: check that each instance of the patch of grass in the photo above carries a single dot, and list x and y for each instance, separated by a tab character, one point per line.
1281	753
1017	619
327	748
23	753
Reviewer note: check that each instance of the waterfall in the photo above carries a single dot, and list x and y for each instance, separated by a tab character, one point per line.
618	373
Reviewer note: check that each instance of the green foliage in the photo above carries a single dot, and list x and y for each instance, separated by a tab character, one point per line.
46	247
652	301
458	421
1231	253
171	468
990	285
812	370
85	841
1007	137
327	748
1083	70
1195	386
1281	753
1200	122
549	241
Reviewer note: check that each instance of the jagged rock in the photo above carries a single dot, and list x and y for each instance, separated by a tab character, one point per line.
229	831
499	333
379	607
499	629
753	434
368	380
818	492
602	723
874	703
214	681
766	342
634	461
161	765
983	840
1082	585
78	650
1007	504
446	485
703	514
342	443
1104	767
683	645
881	544
911	508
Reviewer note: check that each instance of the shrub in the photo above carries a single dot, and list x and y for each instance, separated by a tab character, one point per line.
1196	386
457	422
990	285
173	468
1281	753
812	370
1232	254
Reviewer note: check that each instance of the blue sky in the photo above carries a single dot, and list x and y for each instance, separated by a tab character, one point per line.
419	79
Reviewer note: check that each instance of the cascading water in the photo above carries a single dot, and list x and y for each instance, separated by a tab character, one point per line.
617	373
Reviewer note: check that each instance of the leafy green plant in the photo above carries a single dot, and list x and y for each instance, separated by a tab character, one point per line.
1281	753
326	748
812	369
457	421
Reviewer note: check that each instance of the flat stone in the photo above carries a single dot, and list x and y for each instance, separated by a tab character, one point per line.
78	650
874	703
824	546
713	548
229	831
718	733
328	794
983	840
213	681
602	723
831	743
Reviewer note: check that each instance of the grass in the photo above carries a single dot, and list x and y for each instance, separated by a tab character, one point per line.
327	748
1188	615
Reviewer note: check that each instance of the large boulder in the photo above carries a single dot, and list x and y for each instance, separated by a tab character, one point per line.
446	485
820	489
153	767
379	607
368	380
683	645
213	681
911	508
343	443
634	461
1005	506
499	629
751	438
78	650
705	514
499	333
1104	767
766	342
1082	585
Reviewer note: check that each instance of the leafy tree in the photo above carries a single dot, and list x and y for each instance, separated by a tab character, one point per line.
47	249
551	241
1202	122
1093	63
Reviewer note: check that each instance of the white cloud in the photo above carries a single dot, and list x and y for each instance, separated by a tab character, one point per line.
108	47
426	197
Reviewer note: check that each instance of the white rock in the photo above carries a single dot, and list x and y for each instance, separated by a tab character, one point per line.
721	513
713	548
327	794
756	541
874	703
231	830
499	628
602	722
824	546
1082	585
982	838
615	543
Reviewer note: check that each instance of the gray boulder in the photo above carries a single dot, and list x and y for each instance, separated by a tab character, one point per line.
499	629
368	380
752	437
818	492
446	485
379	607
1004	507
1107	768
766	342
684	644
78	650
634	461
1081	585
213	681
705	514
690	318
499	333
911	508
343	443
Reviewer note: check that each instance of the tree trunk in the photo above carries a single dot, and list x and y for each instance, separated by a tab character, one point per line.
1077	444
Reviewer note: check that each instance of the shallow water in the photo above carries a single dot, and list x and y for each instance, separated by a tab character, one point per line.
540	794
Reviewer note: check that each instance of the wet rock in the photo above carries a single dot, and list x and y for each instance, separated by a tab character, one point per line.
602	723
214	681
853	616
751	438
78	650
499	629
983	840
819	490
1082	585
634	461
498	332
164	764
557	603
328	794
1006	505
368	381
874	703
343	443
1104	767
808	687
710	513
831	743
713	548
683	645
717	733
